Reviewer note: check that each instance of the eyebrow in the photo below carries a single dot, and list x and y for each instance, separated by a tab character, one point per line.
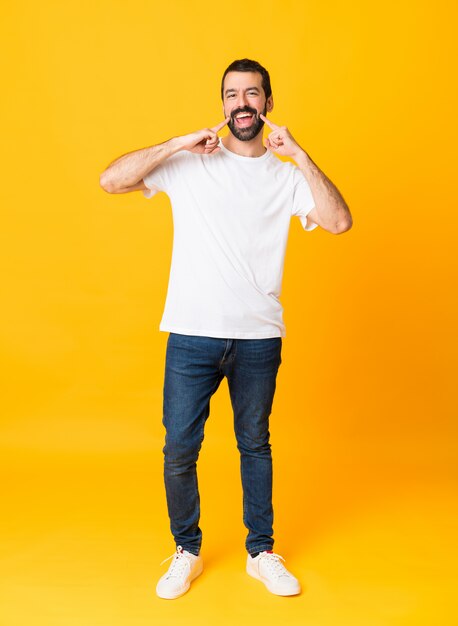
247	89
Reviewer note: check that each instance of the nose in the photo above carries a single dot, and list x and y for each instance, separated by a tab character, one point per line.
242	101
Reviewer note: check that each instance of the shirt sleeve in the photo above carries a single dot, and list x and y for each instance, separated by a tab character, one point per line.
165	175
303	201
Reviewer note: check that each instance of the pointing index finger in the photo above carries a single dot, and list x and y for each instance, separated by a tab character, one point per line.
268	122
219	126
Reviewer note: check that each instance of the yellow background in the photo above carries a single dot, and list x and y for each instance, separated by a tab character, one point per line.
364	419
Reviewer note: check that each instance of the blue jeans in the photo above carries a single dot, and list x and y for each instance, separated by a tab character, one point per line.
194	368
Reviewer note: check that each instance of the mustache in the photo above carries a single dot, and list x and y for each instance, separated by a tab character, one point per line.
244	110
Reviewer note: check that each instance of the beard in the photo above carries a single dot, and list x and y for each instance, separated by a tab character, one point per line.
246	134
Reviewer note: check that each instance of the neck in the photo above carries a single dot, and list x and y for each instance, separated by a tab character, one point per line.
252	148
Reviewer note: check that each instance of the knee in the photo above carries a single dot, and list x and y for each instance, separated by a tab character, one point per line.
254	443
180	454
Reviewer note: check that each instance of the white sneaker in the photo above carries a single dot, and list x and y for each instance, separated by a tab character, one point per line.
269	569
182	571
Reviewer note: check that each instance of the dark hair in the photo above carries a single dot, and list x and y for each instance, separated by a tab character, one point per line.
246	65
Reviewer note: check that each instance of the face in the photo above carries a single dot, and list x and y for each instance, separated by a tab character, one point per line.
243	100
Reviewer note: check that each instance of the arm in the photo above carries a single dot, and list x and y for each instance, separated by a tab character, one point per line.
127	172
331	211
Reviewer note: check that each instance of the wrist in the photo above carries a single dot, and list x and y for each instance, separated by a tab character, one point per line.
300	156
175	144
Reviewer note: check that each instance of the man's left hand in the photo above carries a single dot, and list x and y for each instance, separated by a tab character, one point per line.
280	140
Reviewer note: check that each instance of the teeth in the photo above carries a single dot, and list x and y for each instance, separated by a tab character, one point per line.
243	115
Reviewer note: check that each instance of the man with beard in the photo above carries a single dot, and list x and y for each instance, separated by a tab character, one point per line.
232	203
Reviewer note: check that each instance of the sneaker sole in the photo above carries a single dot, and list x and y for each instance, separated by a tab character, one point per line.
183	591
275	590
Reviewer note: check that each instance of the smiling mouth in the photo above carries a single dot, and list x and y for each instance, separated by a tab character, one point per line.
244	120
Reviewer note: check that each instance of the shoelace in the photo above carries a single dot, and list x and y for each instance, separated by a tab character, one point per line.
274	563
178	565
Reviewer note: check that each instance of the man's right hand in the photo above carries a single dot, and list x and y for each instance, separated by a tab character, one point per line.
203	141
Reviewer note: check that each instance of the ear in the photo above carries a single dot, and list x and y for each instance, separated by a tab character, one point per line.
270	103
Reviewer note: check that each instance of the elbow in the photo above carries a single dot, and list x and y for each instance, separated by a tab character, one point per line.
339	221
344	225
106	184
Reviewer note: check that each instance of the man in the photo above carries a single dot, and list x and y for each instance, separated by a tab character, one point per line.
232	202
